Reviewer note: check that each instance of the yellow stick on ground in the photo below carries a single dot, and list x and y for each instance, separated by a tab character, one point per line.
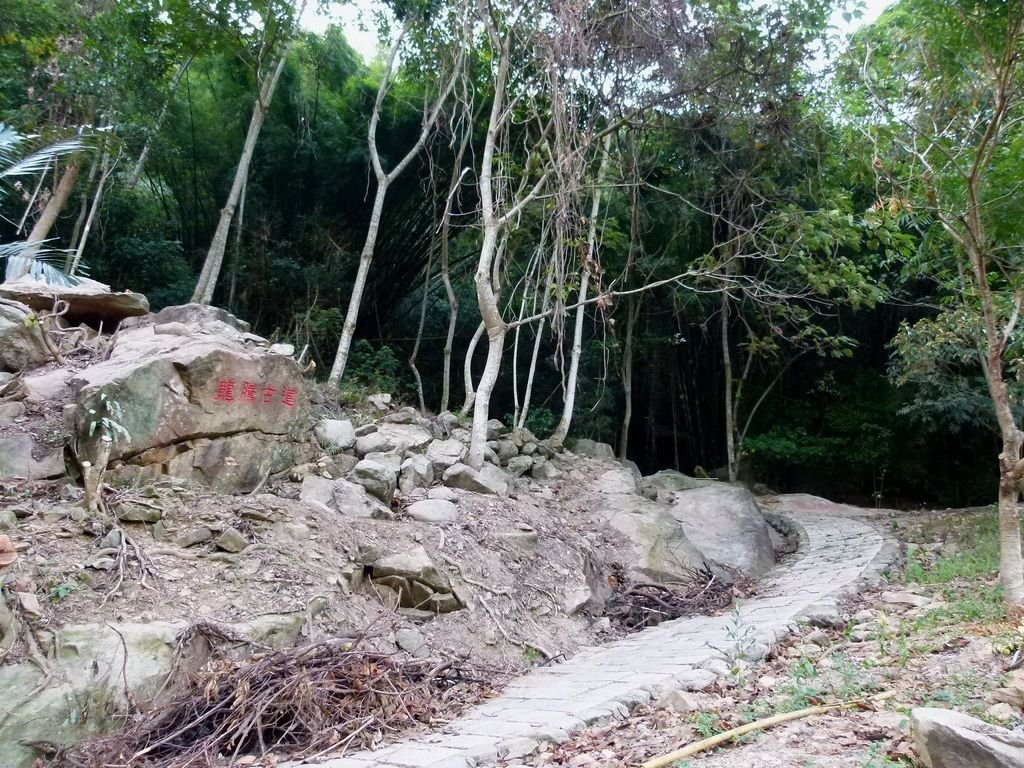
757	725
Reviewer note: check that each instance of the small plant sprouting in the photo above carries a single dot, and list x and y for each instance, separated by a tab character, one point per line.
107	420
742	640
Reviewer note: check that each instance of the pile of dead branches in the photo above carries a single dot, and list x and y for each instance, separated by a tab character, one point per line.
636	605
300	702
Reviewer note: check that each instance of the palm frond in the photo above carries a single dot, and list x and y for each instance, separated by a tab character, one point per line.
9	141
38	262
40	160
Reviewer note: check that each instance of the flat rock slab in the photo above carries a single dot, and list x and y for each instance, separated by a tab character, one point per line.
603	683
89	302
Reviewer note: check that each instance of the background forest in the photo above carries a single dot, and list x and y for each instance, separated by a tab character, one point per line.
768	290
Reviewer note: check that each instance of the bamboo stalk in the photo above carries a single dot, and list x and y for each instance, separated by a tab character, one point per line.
758	725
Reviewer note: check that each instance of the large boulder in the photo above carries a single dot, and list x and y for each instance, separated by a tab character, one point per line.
335	435
946	739
348	498
487	479
444	453
21	342
660	550
203	407
87	302
724	522
201	315
593	449
671	480
405	437
378	480
24	458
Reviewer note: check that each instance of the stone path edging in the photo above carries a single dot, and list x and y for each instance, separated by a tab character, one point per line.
843	555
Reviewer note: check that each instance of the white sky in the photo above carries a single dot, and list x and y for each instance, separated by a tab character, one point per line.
357	21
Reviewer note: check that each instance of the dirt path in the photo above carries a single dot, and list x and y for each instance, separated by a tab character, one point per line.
838	554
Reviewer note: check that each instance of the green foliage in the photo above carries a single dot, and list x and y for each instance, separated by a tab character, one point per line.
374	369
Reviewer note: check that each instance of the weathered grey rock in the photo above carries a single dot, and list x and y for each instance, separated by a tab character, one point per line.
92	672
618	480
433	511
495	429
131	512
506	449
440	492
593	449
415	564
416	472
390	459
405	415
491	456
365	429
88	301
443	602
348	498
374	442
335	435
725	523
946	739
671	480
281	349
376	478
412	642
11	411
8	520
193	537
381	400
201	315
519	465
205	408
576	599
529	448
21	343
444	453
659	550
22	458
544	470
406	437
905	599
489	479
231	540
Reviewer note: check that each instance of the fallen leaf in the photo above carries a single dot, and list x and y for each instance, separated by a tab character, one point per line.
8	554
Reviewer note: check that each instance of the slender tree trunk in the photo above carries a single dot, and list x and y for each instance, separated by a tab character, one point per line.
348	330
430	118
496	330
467	371
530	375
419	333
41	230
215	256
237	255
140	163
730	427
632	314
96	200
83	212
453	301
562	430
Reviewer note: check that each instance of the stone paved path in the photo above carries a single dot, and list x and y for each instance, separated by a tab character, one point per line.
838	554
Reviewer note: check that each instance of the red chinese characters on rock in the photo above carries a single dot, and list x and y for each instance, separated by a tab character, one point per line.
251	392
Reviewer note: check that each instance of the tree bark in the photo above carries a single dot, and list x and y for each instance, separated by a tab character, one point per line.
589	265
41	230
203	293
467	371
632	315
419	334
140	163
730	427
384	180
105	170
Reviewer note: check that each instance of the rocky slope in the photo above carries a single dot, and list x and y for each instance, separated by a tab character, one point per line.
237	495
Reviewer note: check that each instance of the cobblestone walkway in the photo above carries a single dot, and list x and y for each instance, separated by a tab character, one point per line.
838	554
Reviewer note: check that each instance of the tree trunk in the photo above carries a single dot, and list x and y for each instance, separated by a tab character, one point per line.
237	255
140	164
419	334
632	314
730	427
215	256
41	230
96	200
355	300
562	430
467	371
496	329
